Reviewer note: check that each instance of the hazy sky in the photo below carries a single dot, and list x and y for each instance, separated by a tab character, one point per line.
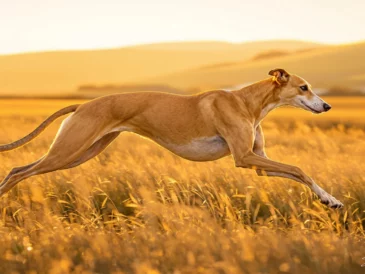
34	25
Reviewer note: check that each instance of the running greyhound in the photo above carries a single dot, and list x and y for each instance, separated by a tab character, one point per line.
202	127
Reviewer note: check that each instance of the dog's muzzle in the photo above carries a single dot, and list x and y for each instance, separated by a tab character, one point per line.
326	107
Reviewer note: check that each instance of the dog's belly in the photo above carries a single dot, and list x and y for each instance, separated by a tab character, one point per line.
199	149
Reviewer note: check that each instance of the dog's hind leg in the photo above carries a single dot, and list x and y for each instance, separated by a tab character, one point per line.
41	167
19	169
94	150
49	163
71	143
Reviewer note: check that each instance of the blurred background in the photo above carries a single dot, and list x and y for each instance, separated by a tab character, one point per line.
67	50
86	49
142	209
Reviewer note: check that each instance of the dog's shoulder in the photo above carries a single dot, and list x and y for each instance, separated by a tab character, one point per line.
218	100
218	94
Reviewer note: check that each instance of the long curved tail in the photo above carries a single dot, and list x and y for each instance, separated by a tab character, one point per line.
39	129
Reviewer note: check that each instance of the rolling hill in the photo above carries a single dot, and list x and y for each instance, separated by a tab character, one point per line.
56	73
325	67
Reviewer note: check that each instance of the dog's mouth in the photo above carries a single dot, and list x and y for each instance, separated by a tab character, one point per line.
309	108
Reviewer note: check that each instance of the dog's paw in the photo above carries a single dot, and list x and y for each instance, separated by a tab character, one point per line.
331	201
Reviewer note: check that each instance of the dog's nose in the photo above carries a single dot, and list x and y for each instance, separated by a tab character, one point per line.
326	107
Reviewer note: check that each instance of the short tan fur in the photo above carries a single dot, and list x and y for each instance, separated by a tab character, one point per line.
200	127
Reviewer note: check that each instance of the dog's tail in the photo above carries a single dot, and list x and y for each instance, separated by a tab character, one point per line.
39	129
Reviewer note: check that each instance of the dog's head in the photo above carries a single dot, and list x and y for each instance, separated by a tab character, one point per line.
297	92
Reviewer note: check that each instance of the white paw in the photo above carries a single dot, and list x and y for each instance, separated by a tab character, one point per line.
330	201
326	198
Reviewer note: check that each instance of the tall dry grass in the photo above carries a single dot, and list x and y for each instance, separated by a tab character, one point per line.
138	208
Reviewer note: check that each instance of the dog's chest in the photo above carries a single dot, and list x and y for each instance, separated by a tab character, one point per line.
199	149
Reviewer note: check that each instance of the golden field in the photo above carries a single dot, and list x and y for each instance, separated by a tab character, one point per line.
137	208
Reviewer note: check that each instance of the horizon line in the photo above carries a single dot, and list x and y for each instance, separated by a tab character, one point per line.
177	42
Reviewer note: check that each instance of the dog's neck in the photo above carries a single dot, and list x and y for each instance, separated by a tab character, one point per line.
260	98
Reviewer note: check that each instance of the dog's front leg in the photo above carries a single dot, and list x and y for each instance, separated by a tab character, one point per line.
259	143
243	149
259	149
264	166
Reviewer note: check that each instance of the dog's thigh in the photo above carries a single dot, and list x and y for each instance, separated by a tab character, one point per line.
94	150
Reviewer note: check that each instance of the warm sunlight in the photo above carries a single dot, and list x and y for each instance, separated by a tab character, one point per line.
51	25
191	136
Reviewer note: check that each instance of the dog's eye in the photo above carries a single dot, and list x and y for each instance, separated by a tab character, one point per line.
304	88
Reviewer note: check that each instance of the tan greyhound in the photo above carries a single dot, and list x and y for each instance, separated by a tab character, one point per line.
202	127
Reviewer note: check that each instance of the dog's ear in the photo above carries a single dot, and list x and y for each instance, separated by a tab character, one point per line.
279	75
